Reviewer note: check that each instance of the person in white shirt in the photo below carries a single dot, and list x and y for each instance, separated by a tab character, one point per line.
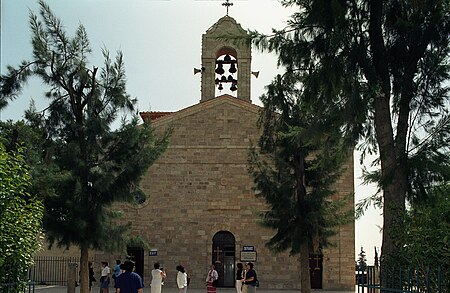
181	279
105	277
157	278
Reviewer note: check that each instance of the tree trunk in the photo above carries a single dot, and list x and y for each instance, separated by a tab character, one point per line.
84	270
299	164
392	151
393	162
305	280
393	208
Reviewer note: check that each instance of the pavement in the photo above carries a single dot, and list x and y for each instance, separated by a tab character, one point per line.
63	289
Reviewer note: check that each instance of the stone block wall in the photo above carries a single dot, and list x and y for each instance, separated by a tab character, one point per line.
201	186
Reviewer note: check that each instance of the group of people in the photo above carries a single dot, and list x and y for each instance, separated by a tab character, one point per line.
104	279
127	281
246	279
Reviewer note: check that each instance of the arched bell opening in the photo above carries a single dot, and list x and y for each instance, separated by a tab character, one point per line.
226	71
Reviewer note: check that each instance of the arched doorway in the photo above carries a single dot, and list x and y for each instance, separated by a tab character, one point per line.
136	254
223	254
315	270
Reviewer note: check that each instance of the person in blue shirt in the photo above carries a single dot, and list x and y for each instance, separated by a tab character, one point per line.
129	281
116	271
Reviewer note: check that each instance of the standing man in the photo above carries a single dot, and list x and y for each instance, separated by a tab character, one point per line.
129	281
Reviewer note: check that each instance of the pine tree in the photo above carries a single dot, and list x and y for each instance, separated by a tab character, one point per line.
294	169
362	260
92	165
385	65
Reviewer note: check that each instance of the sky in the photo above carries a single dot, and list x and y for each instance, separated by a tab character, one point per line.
161	44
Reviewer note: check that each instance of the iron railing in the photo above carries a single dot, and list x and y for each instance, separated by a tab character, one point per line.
401	280
52	270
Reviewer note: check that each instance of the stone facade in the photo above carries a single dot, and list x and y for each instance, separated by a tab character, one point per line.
201	186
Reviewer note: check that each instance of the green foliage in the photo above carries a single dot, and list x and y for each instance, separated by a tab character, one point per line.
294	168
20	217
429	163
424	237
32	137
80	214
424	241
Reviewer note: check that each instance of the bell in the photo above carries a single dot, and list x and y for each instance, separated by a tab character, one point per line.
227	58
233	87
233	68
219	69
230	78
220	87
223	78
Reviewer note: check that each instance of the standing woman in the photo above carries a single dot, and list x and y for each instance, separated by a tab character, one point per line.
239	277
250	278
105	277
181	279
157	278
210	278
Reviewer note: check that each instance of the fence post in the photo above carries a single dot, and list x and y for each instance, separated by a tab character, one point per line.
71	277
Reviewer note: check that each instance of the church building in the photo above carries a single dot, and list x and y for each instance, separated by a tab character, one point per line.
201	207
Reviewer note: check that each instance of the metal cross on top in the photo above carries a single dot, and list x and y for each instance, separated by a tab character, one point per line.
227	4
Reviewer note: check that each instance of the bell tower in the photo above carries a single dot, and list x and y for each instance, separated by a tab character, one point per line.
226	60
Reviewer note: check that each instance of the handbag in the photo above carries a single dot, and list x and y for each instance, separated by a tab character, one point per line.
244	288
215	283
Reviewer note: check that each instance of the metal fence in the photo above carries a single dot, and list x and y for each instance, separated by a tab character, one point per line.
401	280
52	270
47	270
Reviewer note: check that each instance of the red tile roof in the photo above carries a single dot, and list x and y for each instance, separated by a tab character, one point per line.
153	115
